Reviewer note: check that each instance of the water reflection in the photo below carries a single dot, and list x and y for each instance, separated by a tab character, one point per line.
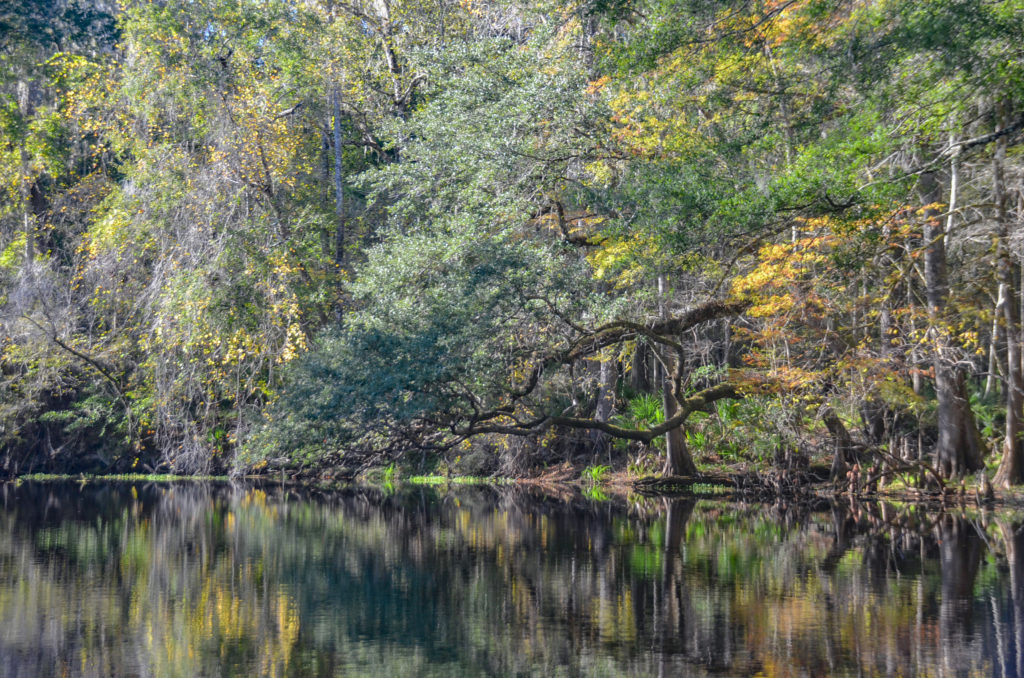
192	580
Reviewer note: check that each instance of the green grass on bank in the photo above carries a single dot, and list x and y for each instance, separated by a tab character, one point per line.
455	480
124	477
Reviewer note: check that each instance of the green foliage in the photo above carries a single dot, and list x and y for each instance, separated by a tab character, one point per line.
456	480
643	411
646	410
10	258
697	441
287	235
120	478
989	414
463	291
595	474
643	464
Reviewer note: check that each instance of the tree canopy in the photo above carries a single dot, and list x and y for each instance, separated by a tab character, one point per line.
686	233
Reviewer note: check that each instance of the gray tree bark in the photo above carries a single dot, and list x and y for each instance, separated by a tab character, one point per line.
678	461
1011	468
607	374
640	373
339	181
958	448
25	108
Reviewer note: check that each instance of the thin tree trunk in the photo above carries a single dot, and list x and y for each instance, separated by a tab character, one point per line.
25	108
1011	468
993	345
605	405
339	176
916	359
1019	271
886	332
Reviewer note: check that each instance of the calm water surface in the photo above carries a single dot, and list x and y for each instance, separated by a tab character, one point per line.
117	579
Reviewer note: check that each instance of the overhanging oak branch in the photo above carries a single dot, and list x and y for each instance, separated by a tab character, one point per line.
665	332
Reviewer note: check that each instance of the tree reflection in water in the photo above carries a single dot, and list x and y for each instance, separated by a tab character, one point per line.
184	580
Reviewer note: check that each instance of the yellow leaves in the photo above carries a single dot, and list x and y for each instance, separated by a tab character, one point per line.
649	133
612	260
294	344
771	284
111	233
774	305
596	86
240	345
929	209
796	302
601	173
781	379
11	255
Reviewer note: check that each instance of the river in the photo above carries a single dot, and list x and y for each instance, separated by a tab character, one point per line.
191	579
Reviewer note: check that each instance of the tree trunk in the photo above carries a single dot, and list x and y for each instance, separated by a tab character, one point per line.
678	461
640	374
600	440
917	360
1019	271
844	449
339	187
25	108
993	344
1011	468
958	449
887	332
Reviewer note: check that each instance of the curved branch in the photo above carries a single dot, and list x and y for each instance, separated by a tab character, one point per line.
501	419
688	406
98	366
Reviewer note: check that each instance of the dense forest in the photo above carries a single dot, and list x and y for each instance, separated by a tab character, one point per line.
282	234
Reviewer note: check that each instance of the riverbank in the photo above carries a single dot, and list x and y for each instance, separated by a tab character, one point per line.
599	482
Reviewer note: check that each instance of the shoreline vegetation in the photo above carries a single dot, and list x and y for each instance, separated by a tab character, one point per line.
775	248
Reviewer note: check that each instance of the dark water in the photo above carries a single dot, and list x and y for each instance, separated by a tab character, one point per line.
117	579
